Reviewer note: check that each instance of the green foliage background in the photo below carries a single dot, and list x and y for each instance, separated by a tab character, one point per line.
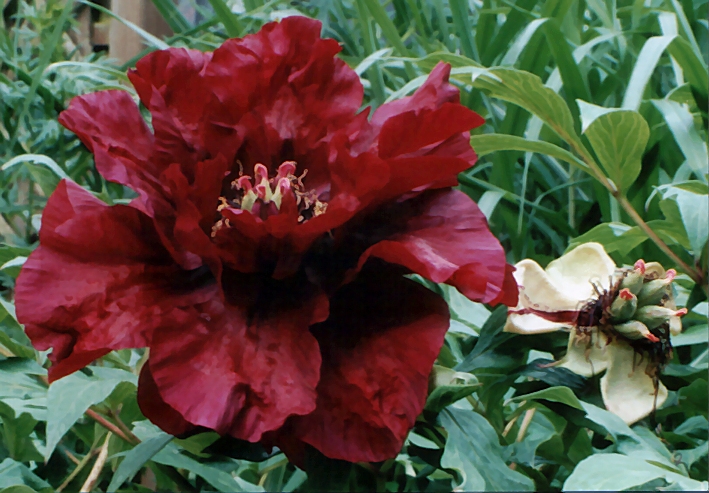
596	128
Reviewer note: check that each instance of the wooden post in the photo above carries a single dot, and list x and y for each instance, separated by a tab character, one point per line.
124	43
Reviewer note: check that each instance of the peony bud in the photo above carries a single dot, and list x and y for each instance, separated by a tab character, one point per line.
654	316
633	281
635	330
623	306
653	292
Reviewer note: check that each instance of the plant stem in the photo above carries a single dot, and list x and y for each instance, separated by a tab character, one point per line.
98	467
696	275
130	438
528	415
119	422
77	470
693	273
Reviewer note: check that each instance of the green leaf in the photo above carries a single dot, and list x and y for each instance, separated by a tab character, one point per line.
488	143
20	488
170	455
16	435
147	37
685	132
539	431
616	472
173	17
645	65
473	315
379	14
697	334
20	390
227	17
619	138
13	473
526	90
473	449
694	210
613	424
491	336
555	394
70	397
449	386
36	158
692	65
136	458
615	237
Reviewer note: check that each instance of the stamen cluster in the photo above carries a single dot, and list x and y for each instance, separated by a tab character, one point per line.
635	309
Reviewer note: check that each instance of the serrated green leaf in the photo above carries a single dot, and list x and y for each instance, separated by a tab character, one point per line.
619	138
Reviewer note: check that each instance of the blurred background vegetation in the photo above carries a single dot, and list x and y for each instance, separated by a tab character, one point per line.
596	129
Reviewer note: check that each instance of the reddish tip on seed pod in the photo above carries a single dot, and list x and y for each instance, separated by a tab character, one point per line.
626	294
652	337
640	266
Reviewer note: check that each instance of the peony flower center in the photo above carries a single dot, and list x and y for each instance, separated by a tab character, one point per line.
263	196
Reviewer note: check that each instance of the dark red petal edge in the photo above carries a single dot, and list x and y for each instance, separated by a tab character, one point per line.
379	344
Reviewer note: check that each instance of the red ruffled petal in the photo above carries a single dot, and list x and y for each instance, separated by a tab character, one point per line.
110	125
100	280
379	345
241	368
446	239
170	84
431	95
156	409
282	92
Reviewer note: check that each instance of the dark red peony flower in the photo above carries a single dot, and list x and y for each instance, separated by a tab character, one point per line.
263	260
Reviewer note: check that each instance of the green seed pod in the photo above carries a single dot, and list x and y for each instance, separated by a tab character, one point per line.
654	316
652	292
623	307
635	330
633	281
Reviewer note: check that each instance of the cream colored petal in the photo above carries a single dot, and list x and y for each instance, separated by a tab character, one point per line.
575	271
529	323
675	322
537	290
675	326
654	270
585	358
629	392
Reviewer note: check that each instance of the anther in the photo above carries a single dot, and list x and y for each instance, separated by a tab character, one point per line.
286	168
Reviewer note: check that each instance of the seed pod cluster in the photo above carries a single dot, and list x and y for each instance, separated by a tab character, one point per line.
638	310
643	304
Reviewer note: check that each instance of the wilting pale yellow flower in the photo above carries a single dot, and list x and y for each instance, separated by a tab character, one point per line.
619	322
